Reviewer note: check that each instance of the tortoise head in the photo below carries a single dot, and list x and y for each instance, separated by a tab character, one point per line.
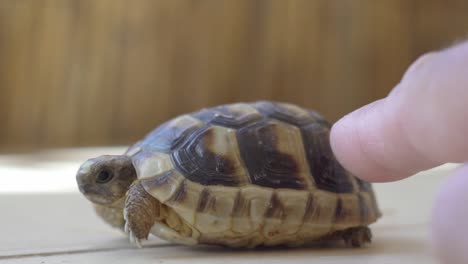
106	179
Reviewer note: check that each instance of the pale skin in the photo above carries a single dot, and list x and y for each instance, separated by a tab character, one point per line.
421	124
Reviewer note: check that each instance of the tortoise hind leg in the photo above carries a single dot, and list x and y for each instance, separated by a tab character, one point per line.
357	236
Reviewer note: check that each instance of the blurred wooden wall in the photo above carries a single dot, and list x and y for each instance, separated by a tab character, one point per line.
99	72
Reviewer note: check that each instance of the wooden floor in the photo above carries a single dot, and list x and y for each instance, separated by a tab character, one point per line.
46	220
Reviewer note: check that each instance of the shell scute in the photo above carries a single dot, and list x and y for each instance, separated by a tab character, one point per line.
169	135
285	212
230	115
150	164
163	186
211	157
273	154
328	174
215	209
186	199
288	113
347	212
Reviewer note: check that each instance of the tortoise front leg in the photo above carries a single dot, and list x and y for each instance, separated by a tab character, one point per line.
140	212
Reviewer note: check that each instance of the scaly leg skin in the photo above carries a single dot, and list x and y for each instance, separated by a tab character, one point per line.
140	212
357	236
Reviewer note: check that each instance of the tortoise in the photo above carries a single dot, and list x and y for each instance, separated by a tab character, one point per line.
240	175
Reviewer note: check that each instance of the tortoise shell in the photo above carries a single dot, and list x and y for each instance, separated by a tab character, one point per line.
266	166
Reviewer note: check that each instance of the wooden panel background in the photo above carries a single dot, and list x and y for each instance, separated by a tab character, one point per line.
99	72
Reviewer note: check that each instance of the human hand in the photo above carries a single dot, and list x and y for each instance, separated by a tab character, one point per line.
421	124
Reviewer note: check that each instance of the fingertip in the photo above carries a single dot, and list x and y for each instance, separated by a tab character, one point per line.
449	230
343	143
358	144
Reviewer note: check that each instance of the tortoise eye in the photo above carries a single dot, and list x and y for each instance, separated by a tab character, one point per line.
104	176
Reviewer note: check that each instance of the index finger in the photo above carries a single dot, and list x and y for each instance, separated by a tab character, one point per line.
421	124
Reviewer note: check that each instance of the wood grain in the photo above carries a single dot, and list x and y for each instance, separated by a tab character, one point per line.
106	72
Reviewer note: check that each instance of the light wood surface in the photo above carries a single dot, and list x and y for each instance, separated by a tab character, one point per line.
46	220
104	72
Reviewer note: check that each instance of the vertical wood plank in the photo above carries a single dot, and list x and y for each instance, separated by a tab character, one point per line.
144	97
23	113
102	52
57	98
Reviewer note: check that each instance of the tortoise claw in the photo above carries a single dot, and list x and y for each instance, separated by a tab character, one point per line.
126	230
132	237
135	240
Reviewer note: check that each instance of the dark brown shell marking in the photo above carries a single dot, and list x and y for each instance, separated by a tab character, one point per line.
340	213
329	175
312	211
241	206
363	209
363	185
267	166
199	163
206	201
275	208
180	194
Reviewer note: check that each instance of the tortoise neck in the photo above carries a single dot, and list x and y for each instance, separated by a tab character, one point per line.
112	213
